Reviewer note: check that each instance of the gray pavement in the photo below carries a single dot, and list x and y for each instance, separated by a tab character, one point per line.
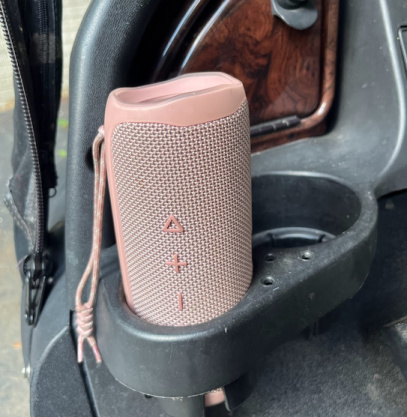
14	393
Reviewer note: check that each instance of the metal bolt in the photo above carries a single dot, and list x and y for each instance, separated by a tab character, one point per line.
26	371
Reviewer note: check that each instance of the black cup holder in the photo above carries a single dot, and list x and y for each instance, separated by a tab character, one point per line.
293	211
313	243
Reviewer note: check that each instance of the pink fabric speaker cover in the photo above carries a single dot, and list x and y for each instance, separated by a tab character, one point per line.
178	161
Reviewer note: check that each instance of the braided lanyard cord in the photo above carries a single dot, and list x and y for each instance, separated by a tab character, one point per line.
84	311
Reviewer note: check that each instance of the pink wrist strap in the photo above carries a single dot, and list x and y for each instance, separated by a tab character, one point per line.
84	311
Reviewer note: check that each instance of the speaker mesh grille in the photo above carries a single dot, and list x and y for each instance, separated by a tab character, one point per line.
200	175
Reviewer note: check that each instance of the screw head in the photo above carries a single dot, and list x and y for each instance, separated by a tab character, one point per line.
26	371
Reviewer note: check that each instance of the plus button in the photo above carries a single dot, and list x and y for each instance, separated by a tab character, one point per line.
175	263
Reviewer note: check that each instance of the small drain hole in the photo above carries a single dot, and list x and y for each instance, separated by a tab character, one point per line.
270	257
268	281
306	255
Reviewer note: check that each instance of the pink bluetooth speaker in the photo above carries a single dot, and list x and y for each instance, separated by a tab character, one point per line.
178	165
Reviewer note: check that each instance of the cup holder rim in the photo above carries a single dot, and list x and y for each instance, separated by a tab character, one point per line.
284	296
363	194
358	189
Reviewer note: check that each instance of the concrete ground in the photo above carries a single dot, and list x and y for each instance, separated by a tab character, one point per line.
73	11
14	389
14	393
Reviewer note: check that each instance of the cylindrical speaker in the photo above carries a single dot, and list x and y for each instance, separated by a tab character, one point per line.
178	165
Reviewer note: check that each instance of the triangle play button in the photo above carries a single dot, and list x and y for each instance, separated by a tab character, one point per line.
172	225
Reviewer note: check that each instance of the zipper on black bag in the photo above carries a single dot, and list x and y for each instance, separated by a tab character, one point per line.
34	265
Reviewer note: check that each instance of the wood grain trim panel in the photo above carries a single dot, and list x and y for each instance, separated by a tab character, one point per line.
315	123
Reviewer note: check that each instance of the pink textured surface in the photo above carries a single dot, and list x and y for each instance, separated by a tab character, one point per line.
201	175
